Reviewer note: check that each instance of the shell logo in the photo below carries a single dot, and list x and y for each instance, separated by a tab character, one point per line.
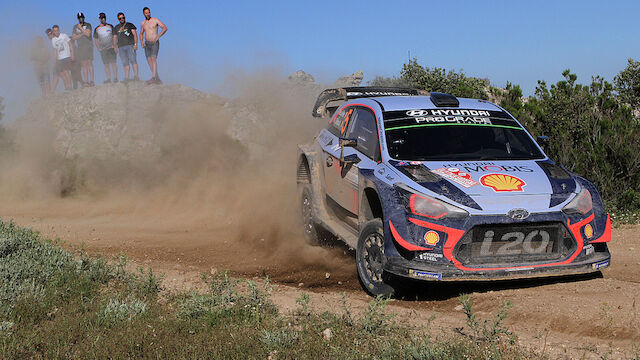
588	231
502	182
431	237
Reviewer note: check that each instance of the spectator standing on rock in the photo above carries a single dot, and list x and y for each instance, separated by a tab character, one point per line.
150	41
63	51
105	40
82	35
127	44
41	57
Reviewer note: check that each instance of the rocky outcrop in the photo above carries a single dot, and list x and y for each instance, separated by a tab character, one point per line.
354	79
132	121
108	120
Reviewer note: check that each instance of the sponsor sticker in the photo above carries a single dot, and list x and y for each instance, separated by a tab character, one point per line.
419	274
431	237
457	176
502	182
428	256
600	265
588	231
485	167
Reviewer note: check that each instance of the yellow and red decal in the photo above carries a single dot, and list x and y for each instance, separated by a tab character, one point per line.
502	182
606	236
431	237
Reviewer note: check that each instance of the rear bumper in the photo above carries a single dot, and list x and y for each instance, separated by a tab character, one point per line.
422	270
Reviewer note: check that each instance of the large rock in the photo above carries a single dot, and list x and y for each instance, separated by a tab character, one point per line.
354	79
120	120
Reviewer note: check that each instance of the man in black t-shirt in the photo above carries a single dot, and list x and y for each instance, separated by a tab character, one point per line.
127	43
81	33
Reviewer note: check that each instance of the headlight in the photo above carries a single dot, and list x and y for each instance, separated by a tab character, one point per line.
424	205
581	203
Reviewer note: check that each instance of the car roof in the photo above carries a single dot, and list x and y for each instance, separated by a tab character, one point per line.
394	103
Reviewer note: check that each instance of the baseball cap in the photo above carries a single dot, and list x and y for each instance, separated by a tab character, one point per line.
102	15
80	15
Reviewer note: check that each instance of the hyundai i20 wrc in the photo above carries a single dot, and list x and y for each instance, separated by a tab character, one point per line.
439	188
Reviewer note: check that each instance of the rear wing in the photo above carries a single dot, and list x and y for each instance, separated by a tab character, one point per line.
320	109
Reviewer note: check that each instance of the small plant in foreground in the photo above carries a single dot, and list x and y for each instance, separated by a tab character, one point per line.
485	330
303	301
117	310
279	338
375	319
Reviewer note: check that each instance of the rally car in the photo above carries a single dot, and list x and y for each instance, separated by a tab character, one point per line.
439	188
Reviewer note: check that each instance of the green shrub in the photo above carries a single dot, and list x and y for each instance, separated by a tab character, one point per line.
117	310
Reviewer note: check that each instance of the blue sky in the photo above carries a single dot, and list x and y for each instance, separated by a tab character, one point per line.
208	41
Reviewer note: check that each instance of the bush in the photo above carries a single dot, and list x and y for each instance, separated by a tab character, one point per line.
441	80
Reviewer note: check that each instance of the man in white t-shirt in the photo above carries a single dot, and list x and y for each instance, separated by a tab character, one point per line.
63	53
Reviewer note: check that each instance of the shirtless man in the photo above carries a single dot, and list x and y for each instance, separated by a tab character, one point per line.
149	39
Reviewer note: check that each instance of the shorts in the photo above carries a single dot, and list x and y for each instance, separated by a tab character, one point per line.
63	65
84	52
108	56
127	55
43	77
151	48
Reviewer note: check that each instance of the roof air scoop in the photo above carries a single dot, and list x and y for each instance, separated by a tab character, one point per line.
444	100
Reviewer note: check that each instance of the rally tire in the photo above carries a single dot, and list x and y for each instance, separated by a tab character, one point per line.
370	260
310	228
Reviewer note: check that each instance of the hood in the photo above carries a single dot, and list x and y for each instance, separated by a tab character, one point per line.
499	186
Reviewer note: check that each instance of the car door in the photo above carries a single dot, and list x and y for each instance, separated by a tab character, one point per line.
339	180
357	123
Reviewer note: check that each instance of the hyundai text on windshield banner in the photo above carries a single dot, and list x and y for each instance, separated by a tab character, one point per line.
405	118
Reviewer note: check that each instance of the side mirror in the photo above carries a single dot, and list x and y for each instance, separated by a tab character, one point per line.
351	159
346	142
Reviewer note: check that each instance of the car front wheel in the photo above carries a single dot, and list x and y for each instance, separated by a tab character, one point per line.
370	259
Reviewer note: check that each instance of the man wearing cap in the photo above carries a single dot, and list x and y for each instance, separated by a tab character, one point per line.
63	51
127	41
151	42
82	35
105	41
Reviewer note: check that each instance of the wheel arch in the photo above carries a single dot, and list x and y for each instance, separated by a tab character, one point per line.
370	205
303	171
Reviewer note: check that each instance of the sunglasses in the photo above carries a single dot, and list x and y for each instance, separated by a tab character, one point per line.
121	18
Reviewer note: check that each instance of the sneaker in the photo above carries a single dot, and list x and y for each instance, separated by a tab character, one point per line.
85	84
92	84
158	81
150	81
136	78
126	80
108	81
115	81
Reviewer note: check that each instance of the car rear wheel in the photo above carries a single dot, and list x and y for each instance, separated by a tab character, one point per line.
309	226
370	260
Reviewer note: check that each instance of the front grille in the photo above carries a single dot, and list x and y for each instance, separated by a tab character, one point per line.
515	244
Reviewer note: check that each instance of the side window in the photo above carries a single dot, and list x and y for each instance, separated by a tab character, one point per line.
365	130
340	123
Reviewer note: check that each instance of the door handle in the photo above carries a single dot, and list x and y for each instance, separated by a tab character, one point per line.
329	161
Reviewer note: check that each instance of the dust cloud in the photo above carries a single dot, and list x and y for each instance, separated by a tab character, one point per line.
206	198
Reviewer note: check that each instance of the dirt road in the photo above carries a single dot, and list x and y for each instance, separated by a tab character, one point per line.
574	317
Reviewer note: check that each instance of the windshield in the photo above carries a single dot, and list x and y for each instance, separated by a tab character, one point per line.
436	134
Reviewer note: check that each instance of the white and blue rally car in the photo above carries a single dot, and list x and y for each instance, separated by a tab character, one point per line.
443	188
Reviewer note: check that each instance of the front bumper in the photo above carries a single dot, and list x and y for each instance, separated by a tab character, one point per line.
589	253
422	270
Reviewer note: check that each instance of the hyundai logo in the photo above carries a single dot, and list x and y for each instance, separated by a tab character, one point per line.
518	214
417	112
